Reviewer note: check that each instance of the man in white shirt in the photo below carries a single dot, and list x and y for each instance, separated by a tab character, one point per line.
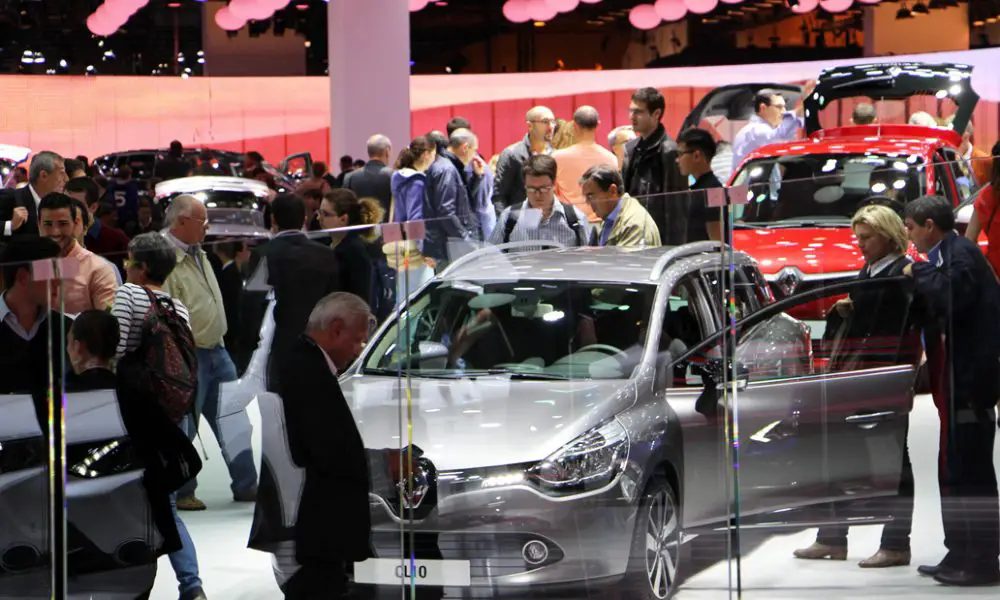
772	123
19	211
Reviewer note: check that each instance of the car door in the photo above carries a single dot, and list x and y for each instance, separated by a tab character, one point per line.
23	486
297	166
827	401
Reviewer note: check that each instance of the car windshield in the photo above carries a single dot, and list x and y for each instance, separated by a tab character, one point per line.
826	188
529	329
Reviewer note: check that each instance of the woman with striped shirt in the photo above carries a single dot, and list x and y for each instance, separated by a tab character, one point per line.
151	258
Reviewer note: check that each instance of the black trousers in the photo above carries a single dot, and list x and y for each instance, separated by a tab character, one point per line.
896	533
970	510
320	580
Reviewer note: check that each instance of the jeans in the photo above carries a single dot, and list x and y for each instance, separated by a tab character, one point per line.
215	368
185	560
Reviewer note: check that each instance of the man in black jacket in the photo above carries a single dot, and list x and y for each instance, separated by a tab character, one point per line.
373	181
19	208
333	525
962	336
650	168
300	271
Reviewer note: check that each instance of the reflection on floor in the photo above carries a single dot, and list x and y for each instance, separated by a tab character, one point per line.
768	571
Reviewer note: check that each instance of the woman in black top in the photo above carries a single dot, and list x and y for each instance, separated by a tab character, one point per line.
356	253
868	330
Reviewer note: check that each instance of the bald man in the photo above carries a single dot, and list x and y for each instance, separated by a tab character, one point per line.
373	181
574	161
509	189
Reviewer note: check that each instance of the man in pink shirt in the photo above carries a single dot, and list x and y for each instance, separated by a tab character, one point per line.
574	161
89	281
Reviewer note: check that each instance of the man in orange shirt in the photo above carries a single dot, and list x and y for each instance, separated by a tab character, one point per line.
574	161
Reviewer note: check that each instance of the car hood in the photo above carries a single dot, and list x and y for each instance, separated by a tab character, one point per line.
483	422
816	251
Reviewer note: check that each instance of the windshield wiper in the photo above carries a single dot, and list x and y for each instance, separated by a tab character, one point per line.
793	224
521	374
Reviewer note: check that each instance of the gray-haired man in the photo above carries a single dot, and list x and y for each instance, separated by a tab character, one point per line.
19	210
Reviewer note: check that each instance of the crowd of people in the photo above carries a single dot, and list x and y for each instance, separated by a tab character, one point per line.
135	274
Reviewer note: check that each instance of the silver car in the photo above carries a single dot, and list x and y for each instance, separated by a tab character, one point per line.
569	410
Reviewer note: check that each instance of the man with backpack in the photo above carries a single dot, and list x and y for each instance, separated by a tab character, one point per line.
541	216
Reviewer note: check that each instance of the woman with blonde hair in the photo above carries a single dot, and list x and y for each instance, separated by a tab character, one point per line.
340	211
864	331
563	136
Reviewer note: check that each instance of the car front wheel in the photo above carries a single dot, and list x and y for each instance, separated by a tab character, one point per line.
656	556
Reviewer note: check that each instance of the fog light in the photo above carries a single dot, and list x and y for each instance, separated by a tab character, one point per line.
535	552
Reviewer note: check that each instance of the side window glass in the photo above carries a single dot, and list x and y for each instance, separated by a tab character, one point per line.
962	172
683	329
744	291
942	174
870	327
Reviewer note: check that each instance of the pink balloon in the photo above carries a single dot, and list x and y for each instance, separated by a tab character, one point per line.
103	26
670	10
564	6
732	1
835	6
258	11
416	5
644	16
541	10
245	8
701	7
805	6
225	19
590	1
516	11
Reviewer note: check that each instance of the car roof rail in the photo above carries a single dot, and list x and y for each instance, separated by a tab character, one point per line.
680	252
524	245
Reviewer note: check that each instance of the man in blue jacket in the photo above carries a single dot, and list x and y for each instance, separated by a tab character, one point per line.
448	213
958	290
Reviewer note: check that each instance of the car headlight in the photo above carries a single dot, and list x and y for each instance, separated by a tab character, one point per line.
101	459
590	462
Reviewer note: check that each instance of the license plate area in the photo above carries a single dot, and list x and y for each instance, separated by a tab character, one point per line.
424	572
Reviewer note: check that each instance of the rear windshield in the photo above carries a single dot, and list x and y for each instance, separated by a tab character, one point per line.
819	188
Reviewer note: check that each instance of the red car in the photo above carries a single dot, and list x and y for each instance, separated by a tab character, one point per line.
802	194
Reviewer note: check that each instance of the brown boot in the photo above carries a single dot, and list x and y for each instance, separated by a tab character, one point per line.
190	503
886	558
821	551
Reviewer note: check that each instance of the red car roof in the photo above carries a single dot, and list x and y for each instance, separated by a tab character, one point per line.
858	139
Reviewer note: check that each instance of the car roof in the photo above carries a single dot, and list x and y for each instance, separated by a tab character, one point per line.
859	139
607	264
207	183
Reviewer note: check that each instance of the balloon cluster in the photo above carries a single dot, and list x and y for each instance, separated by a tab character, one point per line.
643	16
111	15
234	16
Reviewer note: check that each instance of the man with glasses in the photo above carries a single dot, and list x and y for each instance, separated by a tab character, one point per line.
193	282
771	123
542	216
509	188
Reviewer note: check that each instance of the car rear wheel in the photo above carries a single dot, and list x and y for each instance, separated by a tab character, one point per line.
657	554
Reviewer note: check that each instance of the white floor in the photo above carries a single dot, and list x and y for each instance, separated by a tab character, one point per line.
232	572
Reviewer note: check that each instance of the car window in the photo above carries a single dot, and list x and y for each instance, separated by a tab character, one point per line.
962	174
750	292
684	327
142	164
535	329
825	188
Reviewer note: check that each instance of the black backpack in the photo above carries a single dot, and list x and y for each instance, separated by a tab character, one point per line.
571	220
165	366
383	289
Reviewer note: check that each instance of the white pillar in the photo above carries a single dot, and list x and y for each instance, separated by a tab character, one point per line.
369	46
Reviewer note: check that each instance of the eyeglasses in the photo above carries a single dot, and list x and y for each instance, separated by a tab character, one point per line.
545	121
538	190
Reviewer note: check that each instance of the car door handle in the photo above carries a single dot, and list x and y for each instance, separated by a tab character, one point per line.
869	420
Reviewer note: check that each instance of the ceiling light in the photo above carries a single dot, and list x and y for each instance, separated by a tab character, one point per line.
920	8
903	13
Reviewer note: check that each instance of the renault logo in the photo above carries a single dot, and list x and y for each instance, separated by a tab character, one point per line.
788	280
414	493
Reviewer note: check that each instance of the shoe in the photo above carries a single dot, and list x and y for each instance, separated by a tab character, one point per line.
249	495
190	503
886	558
195	594
929	570
960	578
821	551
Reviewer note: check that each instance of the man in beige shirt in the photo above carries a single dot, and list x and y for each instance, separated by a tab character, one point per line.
193	283
574	161
90	282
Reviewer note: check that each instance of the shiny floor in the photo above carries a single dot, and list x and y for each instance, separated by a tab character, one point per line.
768	571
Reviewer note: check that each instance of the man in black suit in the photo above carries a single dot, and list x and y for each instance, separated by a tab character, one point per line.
333	526
19	209
373	181
962	336
299	270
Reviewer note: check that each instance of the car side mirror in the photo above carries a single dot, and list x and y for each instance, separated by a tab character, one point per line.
714	373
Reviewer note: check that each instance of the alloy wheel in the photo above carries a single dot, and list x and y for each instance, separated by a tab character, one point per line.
662	544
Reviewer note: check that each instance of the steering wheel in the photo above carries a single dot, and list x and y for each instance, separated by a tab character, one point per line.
606	348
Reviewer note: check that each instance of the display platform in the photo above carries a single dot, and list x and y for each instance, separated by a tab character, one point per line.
768	571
